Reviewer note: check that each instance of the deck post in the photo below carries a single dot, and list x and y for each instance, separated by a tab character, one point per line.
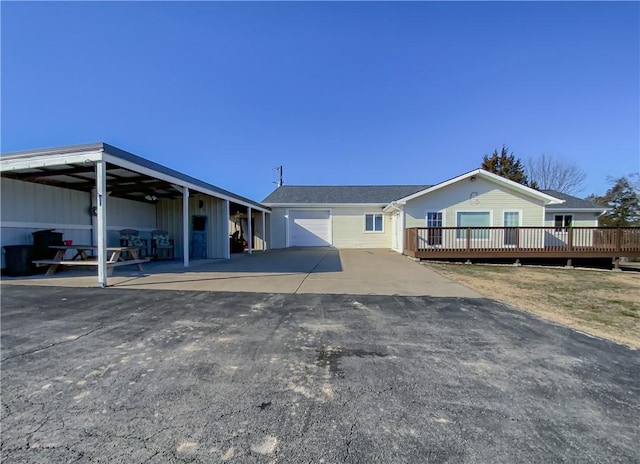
616	263
468	239
101	223
570	238
569	264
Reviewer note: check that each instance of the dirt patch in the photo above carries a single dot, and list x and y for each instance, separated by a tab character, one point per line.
602	303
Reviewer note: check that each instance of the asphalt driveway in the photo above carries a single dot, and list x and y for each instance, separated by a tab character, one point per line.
121	375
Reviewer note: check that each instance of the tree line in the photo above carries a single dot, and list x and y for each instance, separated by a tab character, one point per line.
547	172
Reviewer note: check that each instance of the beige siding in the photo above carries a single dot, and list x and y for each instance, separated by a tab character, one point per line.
347	226
479	195
348	229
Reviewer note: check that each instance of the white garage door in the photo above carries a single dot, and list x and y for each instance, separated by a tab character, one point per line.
309	228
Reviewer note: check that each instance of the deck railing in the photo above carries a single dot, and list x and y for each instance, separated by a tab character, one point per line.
522	241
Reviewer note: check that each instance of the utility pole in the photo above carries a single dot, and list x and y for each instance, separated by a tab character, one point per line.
280	182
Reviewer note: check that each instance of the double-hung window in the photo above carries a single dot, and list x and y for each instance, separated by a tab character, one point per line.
562	221
373	222
434	228
473	219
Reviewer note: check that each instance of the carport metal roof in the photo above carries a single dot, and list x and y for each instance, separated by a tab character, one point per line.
128	175
111	171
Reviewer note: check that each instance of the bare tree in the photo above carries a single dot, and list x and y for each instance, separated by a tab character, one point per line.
553	173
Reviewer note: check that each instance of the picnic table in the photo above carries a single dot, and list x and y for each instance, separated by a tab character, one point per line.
81	258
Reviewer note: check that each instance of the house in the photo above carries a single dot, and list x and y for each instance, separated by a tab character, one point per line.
89	193
379	216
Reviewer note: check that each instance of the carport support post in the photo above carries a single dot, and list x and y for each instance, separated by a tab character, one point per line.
264	231
101	211
225	227
185	226
249	231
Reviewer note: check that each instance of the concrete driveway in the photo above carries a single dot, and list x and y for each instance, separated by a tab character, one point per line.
126	376
302	270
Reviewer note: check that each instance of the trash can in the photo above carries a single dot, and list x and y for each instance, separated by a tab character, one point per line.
42	240
17	259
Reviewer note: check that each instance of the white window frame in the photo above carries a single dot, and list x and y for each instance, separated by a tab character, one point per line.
519	211
364	218
442	213
474	211
504	211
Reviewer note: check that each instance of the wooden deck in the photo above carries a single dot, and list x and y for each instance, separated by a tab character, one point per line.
522	242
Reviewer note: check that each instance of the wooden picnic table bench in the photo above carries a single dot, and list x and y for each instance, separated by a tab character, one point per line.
81	258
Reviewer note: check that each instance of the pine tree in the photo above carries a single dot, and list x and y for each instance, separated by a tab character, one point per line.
623	202
505	164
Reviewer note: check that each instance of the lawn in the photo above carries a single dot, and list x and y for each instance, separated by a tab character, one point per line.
601	303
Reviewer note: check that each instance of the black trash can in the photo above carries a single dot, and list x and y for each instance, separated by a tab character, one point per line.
42	240
17	259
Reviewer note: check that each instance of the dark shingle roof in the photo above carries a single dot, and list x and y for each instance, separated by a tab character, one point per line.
287	194
570	201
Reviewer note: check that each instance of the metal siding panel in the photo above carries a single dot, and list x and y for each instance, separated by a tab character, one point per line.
31	202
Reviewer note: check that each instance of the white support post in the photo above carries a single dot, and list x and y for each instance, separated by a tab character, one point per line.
403	226
101	222
249	231
264	231
225	229
185	226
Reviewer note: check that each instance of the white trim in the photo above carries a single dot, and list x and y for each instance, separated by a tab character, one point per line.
364	219
520	214
548	199
45	225
25	162
444	216
325	205
577	210
504	235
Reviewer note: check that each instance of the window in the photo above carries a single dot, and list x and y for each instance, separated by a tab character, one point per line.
473	219
434	231
562	221
373	222
511	220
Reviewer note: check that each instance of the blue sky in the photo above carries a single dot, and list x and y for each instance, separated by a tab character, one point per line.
337	93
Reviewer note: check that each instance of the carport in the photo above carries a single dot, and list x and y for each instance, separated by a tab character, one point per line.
93	190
